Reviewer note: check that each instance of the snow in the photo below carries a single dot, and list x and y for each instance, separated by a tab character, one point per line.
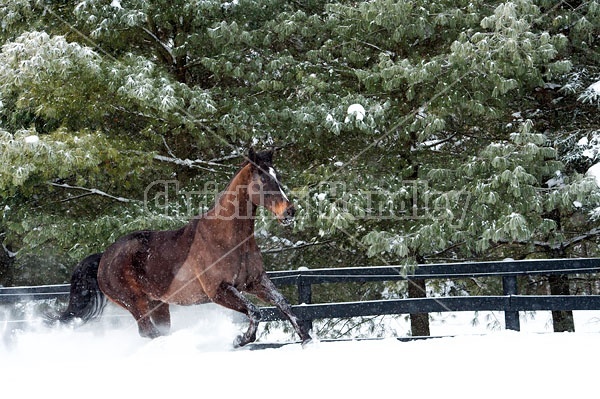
108	359
595	87
320	196
594	172
357	110
590	147
556	181
32	139
591	94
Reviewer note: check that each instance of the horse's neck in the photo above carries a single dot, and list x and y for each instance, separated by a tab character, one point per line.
233	208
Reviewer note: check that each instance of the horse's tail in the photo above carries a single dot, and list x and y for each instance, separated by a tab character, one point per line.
86	301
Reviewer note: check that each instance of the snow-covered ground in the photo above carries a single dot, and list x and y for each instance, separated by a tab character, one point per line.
107	359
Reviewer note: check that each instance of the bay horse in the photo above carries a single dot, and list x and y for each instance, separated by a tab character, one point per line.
214	258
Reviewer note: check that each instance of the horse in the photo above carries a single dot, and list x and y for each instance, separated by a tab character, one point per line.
213	258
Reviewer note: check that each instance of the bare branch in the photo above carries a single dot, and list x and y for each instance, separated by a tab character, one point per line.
76	197
226	158
138	113
166	48
168	148
295	246
590	234
90	191
8	252
564	244
189	163
439	142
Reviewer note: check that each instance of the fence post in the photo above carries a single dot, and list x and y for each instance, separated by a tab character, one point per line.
305	296
511	318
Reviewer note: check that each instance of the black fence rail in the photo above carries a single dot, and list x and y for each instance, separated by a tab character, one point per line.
511	302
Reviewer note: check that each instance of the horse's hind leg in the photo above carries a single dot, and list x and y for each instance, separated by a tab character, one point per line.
132	299
161	316
141	311
228	296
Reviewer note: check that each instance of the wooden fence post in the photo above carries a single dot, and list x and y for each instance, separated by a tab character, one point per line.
511	317
305	296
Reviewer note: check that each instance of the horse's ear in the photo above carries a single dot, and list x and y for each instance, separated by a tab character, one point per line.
269	156
252	155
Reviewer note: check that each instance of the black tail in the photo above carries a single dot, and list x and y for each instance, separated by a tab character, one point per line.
86	301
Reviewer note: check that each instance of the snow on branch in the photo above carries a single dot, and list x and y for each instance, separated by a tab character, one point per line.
89	191
298	245
196	163
8	252
591	94
164	46
585	236
189	163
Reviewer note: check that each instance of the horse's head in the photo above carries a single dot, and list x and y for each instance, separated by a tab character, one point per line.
265	187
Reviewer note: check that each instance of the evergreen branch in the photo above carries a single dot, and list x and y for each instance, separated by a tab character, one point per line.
90	191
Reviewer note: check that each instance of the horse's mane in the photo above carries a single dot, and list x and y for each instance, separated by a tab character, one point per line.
259	159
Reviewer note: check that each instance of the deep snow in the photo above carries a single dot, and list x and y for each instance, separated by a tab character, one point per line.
108	359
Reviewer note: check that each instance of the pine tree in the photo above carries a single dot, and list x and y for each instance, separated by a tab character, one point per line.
409	131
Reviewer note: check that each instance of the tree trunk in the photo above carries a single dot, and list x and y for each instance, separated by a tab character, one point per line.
6	267
419	322
561	319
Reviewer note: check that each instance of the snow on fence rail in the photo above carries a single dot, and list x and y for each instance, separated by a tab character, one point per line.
510	302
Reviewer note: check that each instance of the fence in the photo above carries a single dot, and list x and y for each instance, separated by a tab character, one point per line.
511	303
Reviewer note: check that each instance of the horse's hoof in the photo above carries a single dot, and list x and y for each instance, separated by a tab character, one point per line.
243	340
151	333
239	341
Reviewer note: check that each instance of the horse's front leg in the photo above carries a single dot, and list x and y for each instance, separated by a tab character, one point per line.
229	296
266	290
